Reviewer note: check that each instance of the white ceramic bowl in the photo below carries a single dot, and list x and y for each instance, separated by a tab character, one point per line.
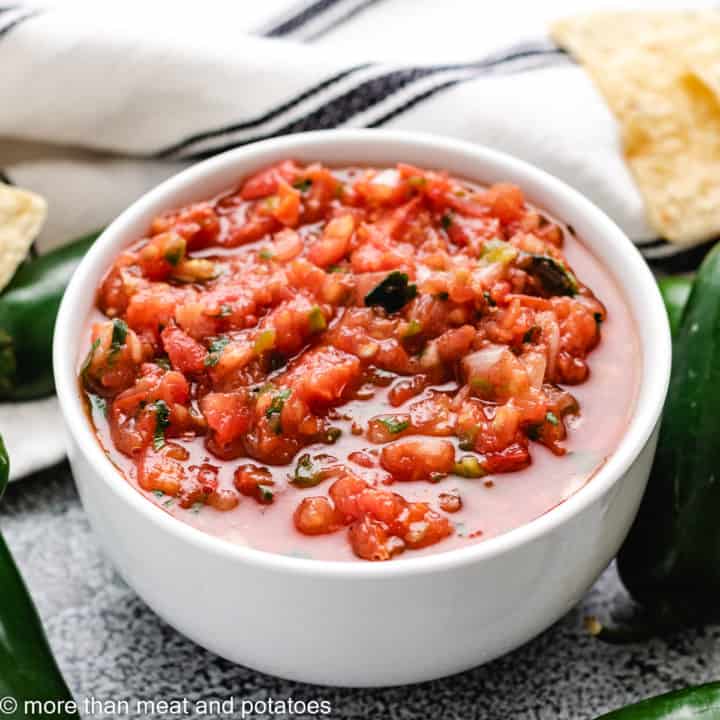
360	623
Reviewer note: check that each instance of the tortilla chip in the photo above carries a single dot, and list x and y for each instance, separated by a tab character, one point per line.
22	214
660	74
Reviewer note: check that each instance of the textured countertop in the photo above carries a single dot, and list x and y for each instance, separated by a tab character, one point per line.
112	647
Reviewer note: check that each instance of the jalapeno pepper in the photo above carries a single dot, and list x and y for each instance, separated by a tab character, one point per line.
670	561
702	702
28	671
28	308
675	290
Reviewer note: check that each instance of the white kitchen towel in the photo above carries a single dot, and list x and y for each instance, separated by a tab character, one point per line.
100	101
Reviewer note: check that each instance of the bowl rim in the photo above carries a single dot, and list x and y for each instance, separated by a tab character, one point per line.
654	377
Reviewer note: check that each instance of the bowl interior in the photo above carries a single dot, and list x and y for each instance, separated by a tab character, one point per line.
372	147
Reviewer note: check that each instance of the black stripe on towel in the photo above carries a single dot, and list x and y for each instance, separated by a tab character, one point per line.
300	18
430	92
265	117
335	112
368	94
412	102
5	29
341	20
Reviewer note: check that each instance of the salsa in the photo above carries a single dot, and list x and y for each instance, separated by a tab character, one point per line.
358	362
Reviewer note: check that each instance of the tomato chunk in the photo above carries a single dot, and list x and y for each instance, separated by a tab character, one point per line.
315	516
418	459
227	415
186	355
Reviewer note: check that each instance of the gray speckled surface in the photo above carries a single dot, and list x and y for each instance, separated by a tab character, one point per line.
112	647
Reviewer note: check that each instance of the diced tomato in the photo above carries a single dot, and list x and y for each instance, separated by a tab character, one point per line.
380	504
376	254
506	201
494	373
193	317
287	210
370	541
402	218
402	391
153	308
315	516
253	229
186	355
255	482
227	415
424	526
323	189
114	358
418	459
197	224
117	287
223	499
344	493
324	375
159	471
265	182
287	244
334	243
382	188
509	459
207	478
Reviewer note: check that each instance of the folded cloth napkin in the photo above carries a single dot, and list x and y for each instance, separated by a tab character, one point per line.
102	101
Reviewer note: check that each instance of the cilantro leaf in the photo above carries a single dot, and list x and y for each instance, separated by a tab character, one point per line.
162	420
275	408
309	470
278	402
174	256
303	185
91	354
99	403
265	494
119	334
307	473
215	350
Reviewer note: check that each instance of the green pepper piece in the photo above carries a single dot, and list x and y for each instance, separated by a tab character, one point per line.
310	471
27	668
393	293
469	467
702	702
675	291
552	274
28	308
